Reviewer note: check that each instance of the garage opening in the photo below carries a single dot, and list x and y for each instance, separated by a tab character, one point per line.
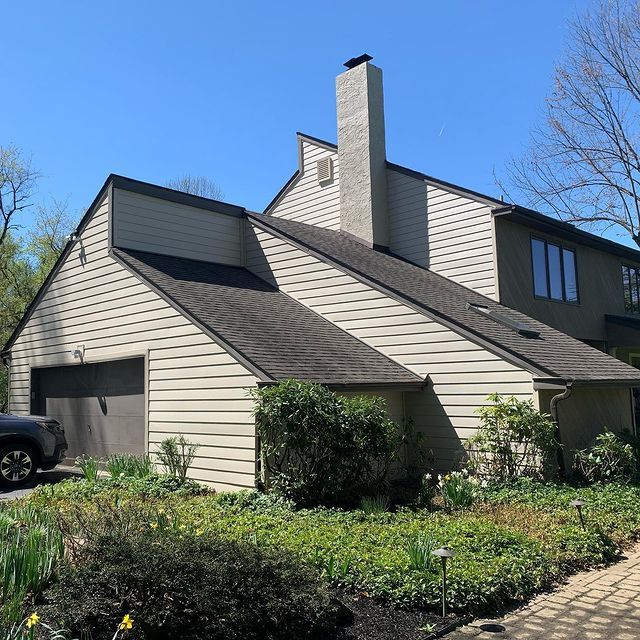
101	405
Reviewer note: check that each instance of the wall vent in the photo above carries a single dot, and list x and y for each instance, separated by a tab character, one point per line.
324	167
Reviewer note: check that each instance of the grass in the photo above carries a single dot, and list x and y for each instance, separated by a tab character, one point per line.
30	548
514	541
126	465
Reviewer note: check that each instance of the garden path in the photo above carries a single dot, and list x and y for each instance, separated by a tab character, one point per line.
595	605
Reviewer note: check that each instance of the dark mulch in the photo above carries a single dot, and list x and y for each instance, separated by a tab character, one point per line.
376	621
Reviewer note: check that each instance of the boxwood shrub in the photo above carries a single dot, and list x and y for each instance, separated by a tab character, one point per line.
189	587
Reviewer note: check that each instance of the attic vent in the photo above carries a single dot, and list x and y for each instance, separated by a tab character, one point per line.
324	167
518	327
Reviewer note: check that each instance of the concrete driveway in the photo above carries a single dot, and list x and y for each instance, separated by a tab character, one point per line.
42	477
595	605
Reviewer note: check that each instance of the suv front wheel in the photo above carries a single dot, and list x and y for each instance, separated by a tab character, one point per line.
18	465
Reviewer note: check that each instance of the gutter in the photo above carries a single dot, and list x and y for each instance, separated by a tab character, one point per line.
559	383
553	410
419	385
565	230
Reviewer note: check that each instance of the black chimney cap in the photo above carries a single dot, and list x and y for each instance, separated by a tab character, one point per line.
354	62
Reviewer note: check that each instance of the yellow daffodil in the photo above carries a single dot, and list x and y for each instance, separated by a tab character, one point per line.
199	532
32	620
127	623
154	525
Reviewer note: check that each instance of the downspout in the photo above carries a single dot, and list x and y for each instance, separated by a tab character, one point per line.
553	410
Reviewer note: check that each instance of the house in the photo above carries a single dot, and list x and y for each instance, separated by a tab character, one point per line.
166	308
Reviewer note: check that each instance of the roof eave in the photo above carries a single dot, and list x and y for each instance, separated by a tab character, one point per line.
173	195
541	383
546	224
418	385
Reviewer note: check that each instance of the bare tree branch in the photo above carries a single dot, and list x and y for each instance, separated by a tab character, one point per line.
17	180
197	186
584	163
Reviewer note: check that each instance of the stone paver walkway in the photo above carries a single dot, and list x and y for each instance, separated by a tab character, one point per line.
592	606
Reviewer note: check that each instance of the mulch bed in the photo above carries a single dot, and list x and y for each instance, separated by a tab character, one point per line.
376	621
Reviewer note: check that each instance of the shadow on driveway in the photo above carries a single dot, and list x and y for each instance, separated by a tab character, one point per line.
42	477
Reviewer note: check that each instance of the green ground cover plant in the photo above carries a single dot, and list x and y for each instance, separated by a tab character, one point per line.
516	538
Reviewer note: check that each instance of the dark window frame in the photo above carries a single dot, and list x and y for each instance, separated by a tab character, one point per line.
629	305
561	249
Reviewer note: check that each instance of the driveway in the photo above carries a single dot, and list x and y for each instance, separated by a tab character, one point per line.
592	606
42	477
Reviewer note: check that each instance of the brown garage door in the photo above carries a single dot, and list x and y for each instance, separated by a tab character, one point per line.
100	405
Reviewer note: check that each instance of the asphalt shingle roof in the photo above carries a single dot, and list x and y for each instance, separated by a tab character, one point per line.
552	352
278	335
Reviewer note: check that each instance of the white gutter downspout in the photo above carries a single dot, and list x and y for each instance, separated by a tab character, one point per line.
553	410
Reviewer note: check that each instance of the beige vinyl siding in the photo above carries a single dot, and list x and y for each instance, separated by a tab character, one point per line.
462	373
429	225
460	240
407	197
159	226
308	201
194	386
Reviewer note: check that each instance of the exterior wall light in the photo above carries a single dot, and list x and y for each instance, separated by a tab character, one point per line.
78	353
578	504
444	553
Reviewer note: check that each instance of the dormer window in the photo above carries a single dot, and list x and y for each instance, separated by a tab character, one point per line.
554	271
631	285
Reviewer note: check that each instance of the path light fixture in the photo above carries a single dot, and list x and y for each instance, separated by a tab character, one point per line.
578	504
444	553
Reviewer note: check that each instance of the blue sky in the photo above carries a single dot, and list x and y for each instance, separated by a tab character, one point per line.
153	90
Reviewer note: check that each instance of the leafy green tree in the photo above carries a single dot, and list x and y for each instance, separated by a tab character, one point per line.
25	263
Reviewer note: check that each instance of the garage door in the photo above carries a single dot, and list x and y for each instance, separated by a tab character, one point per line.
100	405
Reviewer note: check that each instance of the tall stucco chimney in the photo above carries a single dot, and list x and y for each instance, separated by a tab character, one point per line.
361	153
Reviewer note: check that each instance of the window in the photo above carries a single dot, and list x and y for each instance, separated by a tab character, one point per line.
554	271
631	285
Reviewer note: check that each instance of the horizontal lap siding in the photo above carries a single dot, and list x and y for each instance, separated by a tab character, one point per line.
195	387
308	201
462	373
460	240
407	198
158	226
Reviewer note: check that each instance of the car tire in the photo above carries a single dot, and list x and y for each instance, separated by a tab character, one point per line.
18	465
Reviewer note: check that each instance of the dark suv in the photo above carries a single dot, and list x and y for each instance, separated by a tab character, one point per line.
28	443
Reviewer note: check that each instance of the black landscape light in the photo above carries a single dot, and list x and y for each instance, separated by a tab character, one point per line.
444	553
578	504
